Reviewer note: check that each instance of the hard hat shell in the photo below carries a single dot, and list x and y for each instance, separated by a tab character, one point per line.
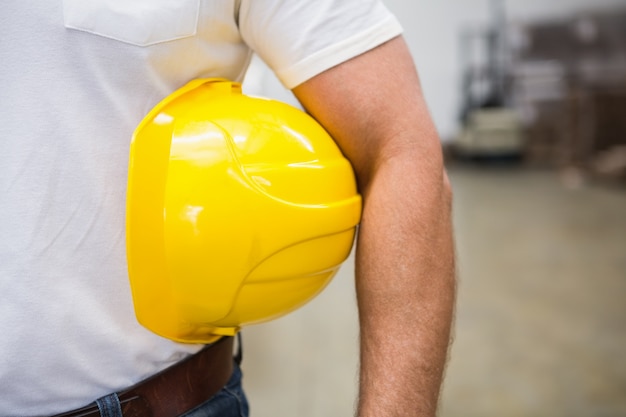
239	210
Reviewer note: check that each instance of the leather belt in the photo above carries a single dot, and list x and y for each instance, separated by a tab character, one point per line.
177	389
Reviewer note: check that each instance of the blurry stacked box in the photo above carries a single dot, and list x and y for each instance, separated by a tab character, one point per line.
568	83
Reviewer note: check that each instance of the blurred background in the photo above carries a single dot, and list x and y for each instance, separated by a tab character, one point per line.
529	98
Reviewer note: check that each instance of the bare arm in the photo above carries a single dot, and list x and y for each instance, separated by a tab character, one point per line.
373	106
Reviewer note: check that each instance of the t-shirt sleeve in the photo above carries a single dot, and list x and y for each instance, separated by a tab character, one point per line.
299	39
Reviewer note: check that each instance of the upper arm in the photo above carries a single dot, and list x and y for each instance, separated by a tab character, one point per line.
373	106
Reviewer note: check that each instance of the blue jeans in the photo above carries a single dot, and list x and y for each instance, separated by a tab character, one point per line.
229	402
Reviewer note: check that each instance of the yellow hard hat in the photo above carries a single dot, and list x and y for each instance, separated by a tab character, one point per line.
239	210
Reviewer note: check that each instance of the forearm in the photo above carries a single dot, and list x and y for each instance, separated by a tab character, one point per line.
405	288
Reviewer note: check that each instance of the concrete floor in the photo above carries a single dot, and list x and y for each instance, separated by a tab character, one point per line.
541	320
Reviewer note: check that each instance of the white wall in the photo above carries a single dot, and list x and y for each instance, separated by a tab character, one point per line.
432	32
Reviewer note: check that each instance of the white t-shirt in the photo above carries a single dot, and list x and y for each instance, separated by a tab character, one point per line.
76	78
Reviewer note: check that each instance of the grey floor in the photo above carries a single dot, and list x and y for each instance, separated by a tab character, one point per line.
541	321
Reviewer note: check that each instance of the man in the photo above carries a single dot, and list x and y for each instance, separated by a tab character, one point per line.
76	79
